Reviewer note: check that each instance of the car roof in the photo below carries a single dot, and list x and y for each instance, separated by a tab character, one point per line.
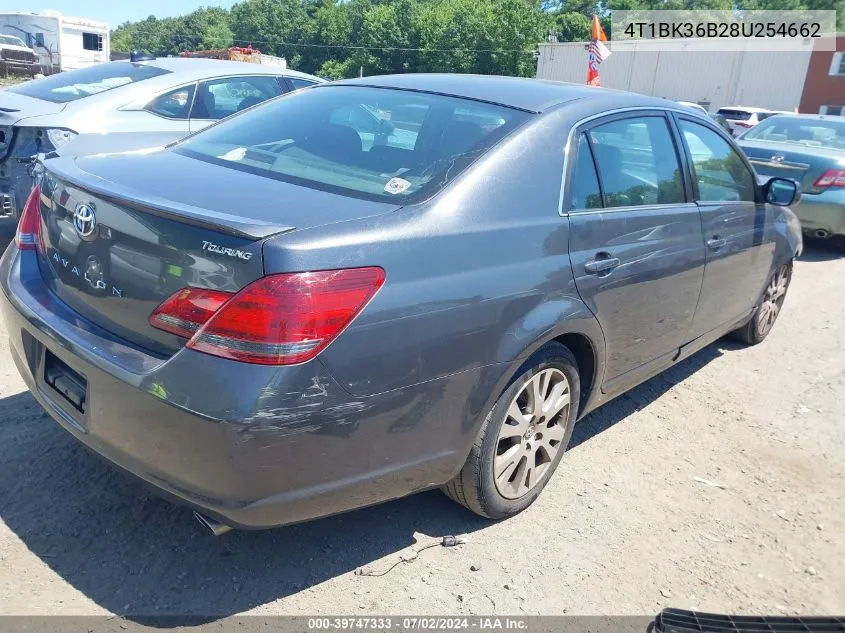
745	109
532	95
198	68
810	117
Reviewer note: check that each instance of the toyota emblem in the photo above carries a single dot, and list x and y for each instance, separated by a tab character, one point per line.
84	220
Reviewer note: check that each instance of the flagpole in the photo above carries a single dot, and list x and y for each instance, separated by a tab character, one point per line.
598	52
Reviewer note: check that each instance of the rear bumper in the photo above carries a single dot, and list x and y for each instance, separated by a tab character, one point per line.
822	212
252	446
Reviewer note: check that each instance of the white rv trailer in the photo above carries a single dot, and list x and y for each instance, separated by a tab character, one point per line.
61	42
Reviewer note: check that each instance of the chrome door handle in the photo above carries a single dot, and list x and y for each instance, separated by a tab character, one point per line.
601	264
716	243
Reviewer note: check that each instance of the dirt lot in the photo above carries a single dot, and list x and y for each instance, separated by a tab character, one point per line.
630	523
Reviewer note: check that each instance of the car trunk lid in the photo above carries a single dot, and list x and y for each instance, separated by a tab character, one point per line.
803	164
14	107
113	251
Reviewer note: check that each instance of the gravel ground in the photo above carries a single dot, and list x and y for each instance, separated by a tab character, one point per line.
11	80
717	485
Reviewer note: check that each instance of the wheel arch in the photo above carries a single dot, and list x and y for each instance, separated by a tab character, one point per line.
581	334
586	355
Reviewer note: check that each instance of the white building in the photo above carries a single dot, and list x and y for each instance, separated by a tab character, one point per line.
764	79
61	42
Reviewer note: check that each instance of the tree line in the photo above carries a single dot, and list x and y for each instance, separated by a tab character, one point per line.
340	39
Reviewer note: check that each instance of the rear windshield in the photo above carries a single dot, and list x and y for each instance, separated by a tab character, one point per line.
76	84
799	131
735	115
366	142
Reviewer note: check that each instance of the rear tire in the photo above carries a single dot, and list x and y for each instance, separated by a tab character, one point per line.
767	309
520	445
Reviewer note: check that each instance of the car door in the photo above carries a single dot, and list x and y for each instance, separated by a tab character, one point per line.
737	234
635	240
222	97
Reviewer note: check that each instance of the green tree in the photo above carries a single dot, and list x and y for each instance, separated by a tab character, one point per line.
209	27
570	27
202	29
337	38
273	26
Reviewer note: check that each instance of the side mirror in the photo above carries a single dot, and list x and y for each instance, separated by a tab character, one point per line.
782	192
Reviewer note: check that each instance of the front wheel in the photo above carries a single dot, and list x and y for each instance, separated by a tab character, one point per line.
523	437
768	307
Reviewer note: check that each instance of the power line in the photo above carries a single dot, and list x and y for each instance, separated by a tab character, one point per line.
354	47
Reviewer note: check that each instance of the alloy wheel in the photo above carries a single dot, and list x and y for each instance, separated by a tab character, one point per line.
532	433
772	300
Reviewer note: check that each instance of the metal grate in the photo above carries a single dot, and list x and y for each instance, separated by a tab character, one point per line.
681	621
17	56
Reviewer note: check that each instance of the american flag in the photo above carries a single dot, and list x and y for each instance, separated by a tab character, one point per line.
597	53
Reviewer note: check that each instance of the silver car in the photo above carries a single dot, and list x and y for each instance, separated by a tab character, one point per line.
123	105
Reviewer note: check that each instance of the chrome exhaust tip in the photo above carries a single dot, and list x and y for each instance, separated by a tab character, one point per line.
215	527
822	234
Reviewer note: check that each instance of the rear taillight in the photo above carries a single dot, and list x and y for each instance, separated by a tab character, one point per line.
831	178
184	313
28	235
276	320
742	124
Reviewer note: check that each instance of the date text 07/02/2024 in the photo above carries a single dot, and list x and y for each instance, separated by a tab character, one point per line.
432	623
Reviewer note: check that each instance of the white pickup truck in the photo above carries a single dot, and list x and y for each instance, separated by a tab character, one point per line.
16	57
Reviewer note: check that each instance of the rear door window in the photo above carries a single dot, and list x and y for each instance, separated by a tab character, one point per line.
637	162
175	104
298	83
586	193
219	98
720	173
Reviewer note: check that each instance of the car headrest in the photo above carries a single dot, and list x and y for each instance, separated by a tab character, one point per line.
461	136
608	157
248	102
803	134
333	140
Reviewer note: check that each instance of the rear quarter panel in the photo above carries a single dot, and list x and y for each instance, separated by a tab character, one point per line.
477	277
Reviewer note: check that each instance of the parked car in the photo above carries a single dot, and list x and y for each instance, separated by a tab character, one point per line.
16	57
271	323
167	98
741	118
810	149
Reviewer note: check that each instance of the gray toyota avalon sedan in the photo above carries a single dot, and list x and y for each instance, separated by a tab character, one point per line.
384	285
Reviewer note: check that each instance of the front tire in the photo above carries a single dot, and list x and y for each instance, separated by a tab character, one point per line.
523	437
768	307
